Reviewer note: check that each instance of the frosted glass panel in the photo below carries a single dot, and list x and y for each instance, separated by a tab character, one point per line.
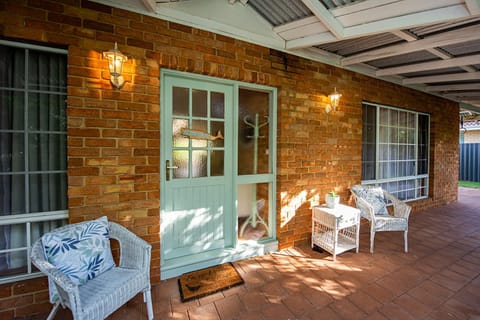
200	126
199	163
216	128
180	160
180	101
199	103
216	164
179	140
217	105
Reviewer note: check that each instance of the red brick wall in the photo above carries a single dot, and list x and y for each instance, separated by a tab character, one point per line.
113	135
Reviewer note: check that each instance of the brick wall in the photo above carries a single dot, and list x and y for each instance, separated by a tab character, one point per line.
113	135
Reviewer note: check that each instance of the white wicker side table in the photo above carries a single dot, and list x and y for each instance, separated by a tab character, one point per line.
335	230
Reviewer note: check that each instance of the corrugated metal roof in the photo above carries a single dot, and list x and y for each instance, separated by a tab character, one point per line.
332	4
404	59
353	46
434	72
442	27
278	12
460	49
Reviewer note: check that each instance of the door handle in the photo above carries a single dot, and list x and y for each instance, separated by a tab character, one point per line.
168	167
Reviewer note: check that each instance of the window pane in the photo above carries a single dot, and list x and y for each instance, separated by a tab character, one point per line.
12	67
47	72
403	150
199	103
217	163
179	140
217	129
47	152
46	112
12	152
180	101
12	113
48	192
253	154
12	191
199	163
253	211
200	126
217	105
180	160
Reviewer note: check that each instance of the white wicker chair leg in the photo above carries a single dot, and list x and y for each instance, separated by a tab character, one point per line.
372	241
147	298
405	235
52	313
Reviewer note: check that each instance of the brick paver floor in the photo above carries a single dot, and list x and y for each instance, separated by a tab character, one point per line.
437	279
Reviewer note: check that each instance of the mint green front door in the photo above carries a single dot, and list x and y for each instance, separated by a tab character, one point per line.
197	211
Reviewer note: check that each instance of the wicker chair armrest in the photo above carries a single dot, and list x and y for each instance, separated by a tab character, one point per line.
134	251
400	208
65	287
366	208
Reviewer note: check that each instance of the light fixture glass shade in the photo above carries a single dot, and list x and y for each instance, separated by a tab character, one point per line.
115	65
334	99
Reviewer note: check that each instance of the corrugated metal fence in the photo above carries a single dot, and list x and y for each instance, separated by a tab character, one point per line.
470	162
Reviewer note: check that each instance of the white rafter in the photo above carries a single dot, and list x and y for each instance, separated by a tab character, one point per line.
453	87
325	16
443	78
431	65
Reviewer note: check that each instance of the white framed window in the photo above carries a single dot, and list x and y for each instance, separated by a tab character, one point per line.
395	150
33	151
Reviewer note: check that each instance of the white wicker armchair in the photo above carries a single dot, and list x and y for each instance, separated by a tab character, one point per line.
101	296
382	222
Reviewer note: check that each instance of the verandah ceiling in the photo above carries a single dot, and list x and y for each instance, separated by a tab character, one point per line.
429	45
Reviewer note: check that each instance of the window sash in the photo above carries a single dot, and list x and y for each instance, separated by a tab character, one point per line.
395	150
34	153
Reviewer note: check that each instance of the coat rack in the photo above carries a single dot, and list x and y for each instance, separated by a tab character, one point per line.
254	218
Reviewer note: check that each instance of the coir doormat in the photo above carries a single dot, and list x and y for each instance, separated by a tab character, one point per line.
203	282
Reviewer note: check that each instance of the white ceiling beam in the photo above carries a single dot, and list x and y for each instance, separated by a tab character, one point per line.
398	9
310	41
431	65
300	28
473	6
407	21
439	40
151	5
453	87
325	16
443	78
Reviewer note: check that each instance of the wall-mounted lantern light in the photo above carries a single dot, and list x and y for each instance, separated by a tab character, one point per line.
334	100
115	64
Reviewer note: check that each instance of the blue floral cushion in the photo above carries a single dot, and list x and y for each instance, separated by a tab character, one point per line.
81	252
374	196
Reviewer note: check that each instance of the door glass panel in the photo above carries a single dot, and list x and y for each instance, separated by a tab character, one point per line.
253	211
180	101
199	103
199	163
217	130
217	105
179	140
253	132
216	165
197	140
201	126
180	160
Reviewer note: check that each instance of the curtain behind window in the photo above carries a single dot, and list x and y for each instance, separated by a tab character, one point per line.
32	146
